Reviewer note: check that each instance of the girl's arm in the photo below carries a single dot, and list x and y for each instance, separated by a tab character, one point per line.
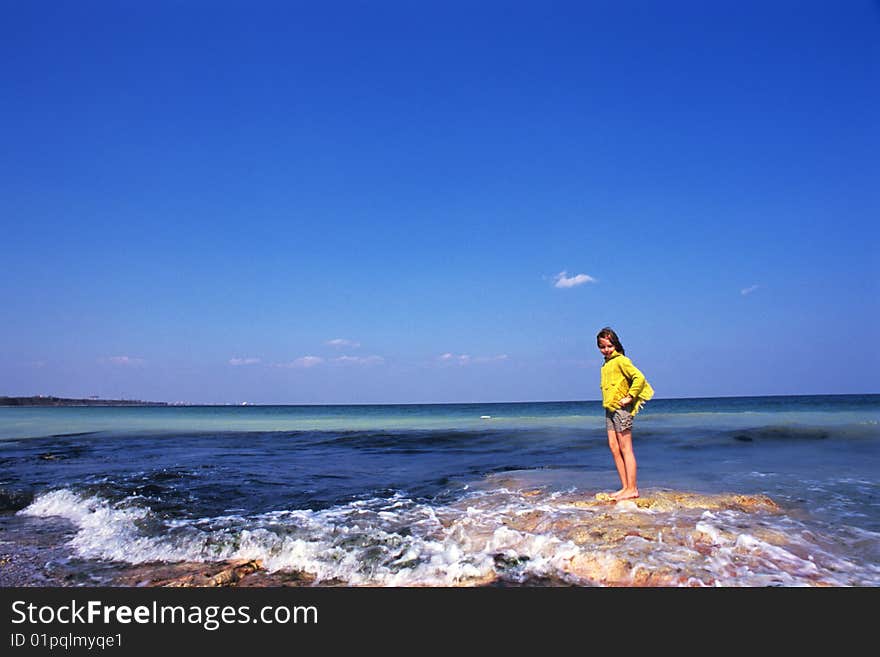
636	378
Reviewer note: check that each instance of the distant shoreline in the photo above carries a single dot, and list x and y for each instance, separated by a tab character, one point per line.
41	400
48	401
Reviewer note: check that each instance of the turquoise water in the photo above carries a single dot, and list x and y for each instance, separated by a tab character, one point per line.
706	413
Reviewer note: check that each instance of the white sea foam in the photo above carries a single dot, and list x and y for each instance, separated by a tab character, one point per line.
379	542
400	542
108	531
744	557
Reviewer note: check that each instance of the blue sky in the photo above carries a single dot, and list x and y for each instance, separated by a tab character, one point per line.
370	202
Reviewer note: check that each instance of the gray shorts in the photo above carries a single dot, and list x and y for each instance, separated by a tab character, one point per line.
620	420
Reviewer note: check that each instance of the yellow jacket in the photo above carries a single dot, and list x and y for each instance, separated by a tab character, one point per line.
621	378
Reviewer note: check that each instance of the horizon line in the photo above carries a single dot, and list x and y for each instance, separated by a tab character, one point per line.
91	401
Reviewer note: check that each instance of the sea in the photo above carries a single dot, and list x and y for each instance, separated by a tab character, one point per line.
439	494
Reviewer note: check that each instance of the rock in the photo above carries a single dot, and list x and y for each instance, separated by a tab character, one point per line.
675	500
664	538
187	574
261	579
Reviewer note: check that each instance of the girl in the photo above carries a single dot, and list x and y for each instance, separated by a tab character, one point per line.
624	391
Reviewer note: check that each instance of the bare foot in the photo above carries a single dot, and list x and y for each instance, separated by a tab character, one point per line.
627	494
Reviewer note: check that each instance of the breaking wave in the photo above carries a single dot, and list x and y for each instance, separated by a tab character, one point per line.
487	536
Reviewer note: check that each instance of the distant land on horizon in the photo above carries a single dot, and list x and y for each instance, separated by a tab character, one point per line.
43	400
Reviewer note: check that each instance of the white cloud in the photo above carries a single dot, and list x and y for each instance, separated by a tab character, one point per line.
244	361
342	342
123	360
466	359
305	361
748	290
563	280
359	360
491	359
461	359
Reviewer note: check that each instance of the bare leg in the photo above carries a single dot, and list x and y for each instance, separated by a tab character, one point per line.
614	446
630	487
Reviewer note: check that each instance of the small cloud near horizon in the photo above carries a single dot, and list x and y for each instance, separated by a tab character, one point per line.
342	342
461	359
748	290
304	361
359	360
122	360
563	280
466	359
244	361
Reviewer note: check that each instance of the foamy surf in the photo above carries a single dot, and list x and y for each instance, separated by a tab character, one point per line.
502	530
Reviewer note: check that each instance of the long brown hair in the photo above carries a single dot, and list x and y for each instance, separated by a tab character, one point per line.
609	334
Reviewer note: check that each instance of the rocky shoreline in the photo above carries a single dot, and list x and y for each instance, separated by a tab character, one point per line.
615	540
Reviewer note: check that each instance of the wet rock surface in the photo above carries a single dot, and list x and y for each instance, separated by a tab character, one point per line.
664	538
